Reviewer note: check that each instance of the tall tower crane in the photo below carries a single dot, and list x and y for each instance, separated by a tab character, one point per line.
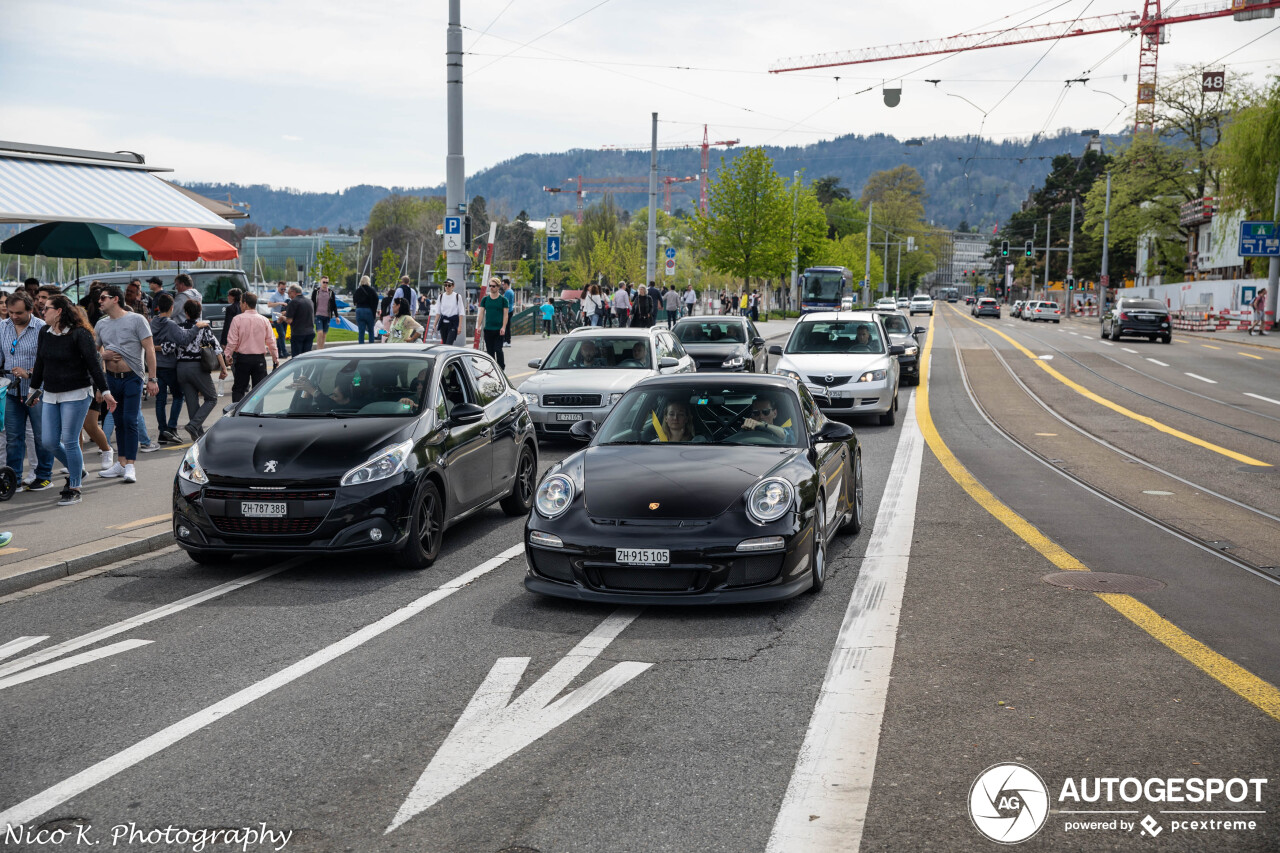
706	147
1148	26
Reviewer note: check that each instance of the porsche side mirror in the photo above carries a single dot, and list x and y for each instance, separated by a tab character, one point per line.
833	431
897	349
465	413
536	363
920	330
583	430
775	350
757	342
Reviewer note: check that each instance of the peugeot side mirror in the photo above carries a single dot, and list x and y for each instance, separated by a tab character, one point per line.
536	363
465	413
897	349
775	350
833	431
757	342
583	430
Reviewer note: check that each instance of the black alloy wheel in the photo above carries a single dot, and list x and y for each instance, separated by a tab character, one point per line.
426	532
853	524
818	556
520	501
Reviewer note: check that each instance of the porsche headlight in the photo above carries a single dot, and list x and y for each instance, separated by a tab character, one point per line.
735	361
385	463
190	469
769	500
554	496
530	399
790	374
873	376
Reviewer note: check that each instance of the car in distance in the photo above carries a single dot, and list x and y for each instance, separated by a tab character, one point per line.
904	302
589	370
901	334
886	304
1147	318
1015	310
846	361
921	303
349	450
969	299
723	343
1044	310
986	307
634	518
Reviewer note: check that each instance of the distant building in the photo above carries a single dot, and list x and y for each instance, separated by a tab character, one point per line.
259	253
968	259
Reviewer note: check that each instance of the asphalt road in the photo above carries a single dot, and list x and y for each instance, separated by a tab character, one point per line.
324	698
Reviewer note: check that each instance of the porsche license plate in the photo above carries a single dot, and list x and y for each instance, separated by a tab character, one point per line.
263	510
568	416
642	556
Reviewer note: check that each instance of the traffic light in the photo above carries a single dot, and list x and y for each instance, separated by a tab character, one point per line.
466	230
1004	248
1029	250
1071	283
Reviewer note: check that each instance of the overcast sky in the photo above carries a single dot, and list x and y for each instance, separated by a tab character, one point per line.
322	95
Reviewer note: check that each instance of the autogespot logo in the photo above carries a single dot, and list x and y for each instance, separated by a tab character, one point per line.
1008	803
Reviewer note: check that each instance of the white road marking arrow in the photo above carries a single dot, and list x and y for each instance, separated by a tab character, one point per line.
495	726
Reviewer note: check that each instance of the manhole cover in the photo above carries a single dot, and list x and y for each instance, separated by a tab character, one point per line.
1103	582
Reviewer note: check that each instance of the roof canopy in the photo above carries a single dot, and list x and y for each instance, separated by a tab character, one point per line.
39	184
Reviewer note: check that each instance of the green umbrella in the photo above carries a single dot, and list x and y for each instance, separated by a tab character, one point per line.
74	240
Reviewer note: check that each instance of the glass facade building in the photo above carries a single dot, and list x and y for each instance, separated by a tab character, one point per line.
259	254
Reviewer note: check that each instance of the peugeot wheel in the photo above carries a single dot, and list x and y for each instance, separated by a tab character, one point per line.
520	500
818	556
425	532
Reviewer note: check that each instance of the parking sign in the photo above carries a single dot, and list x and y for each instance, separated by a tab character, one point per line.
453	234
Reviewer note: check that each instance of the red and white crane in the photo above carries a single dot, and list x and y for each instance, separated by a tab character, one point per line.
706	147
1148	25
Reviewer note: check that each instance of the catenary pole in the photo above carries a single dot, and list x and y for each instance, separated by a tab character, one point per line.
1071	245
795	242
866	276
455	167
1273	267
1048	227
651	251
1105	278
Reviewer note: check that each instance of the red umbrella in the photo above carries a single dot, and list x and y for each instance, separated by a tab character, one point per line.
185	244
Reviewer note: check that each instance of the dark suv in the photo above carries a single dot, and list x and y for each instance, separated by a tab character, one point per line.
211	284
1138	317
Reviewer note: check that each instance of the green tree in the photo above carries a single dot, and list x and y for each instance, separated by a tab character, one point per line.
828	190
290	270
388	271
747	229
332	263
1249	156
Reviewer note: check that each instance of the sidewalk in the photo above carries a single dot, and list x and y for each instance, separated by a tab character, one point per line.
118	520
1229	337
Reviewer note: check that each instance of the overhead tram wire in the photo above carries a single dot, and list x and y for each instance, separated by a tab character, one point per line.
1246	44
559	26
485	31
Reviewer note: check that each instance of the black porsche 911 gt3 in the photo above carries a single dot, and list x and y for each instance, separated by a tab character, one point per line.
702	488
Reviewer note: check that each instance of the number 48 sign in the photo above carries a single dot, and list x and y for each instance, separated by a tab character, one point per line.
1213	81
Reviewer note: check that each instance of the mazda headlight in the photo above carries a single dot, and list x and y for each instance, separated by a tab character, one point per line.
735	361
530	399
554	496
614	398
385	463
190	469
790	374
769	500
873	376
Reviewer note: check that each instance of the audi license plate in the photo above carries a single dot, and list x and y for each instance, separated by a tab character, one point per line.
642	556
568	416
263	510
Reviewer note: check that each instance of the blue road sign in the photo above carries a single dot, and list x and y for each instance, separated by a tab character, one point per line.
453	225
671	253
1259	240
553	248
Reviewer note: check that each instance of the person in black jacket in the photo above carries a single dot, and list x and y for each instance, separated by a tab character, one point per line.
366	301
68	374
229	313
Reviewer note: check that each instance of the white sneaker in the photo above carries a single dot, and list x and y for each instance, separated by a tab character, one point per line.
129	475
108	458
116	470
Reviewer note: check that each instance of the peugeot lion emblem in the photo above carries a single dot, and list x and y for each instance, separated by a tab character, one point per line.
654	505
270	467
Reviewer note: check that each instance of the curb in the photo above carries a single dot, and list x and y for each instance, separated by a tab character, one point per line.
33	571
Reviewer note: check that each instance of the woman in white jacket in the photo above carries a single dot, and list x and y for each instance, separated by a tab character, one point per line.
592	302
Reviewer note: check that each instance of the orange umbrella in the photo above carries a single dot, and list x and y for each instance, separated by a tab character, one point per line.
185	244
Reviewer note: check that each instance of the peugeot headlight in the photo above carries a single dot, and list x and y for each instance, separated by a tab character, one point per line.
790	374
735	361
554	496
913	350
385	463
873	376
190	469
769	500
615	397
530	399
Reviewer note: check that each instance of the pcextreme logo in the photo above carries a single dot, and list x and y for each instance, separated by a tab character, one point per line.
1008	803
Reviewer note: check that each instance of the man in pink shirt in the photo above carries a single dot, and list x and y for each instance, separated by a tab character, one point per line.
249	342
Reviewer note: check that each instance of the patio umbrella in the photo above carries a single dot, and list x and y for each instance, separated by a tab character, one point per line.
74	240
185	244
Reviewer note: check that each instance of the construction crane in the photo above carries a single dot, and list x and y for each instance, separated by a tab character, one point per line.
616	186
706	147
1148	26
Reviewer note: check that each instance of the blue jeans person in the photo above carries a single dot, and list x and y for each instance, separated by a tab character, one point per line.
144	437
364	323
16	415
282	328
167	380
128	395
62	422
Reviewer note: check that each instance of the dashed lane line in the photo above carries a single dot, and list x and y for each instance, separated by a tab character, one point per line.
1260	397
1155	361
1202	378
1210	346
1247	355
1126	349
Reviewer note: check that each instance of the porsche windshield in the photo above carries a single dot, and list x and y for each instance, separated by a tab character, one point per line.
836	336
711	332
590	351
704	414
342	387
